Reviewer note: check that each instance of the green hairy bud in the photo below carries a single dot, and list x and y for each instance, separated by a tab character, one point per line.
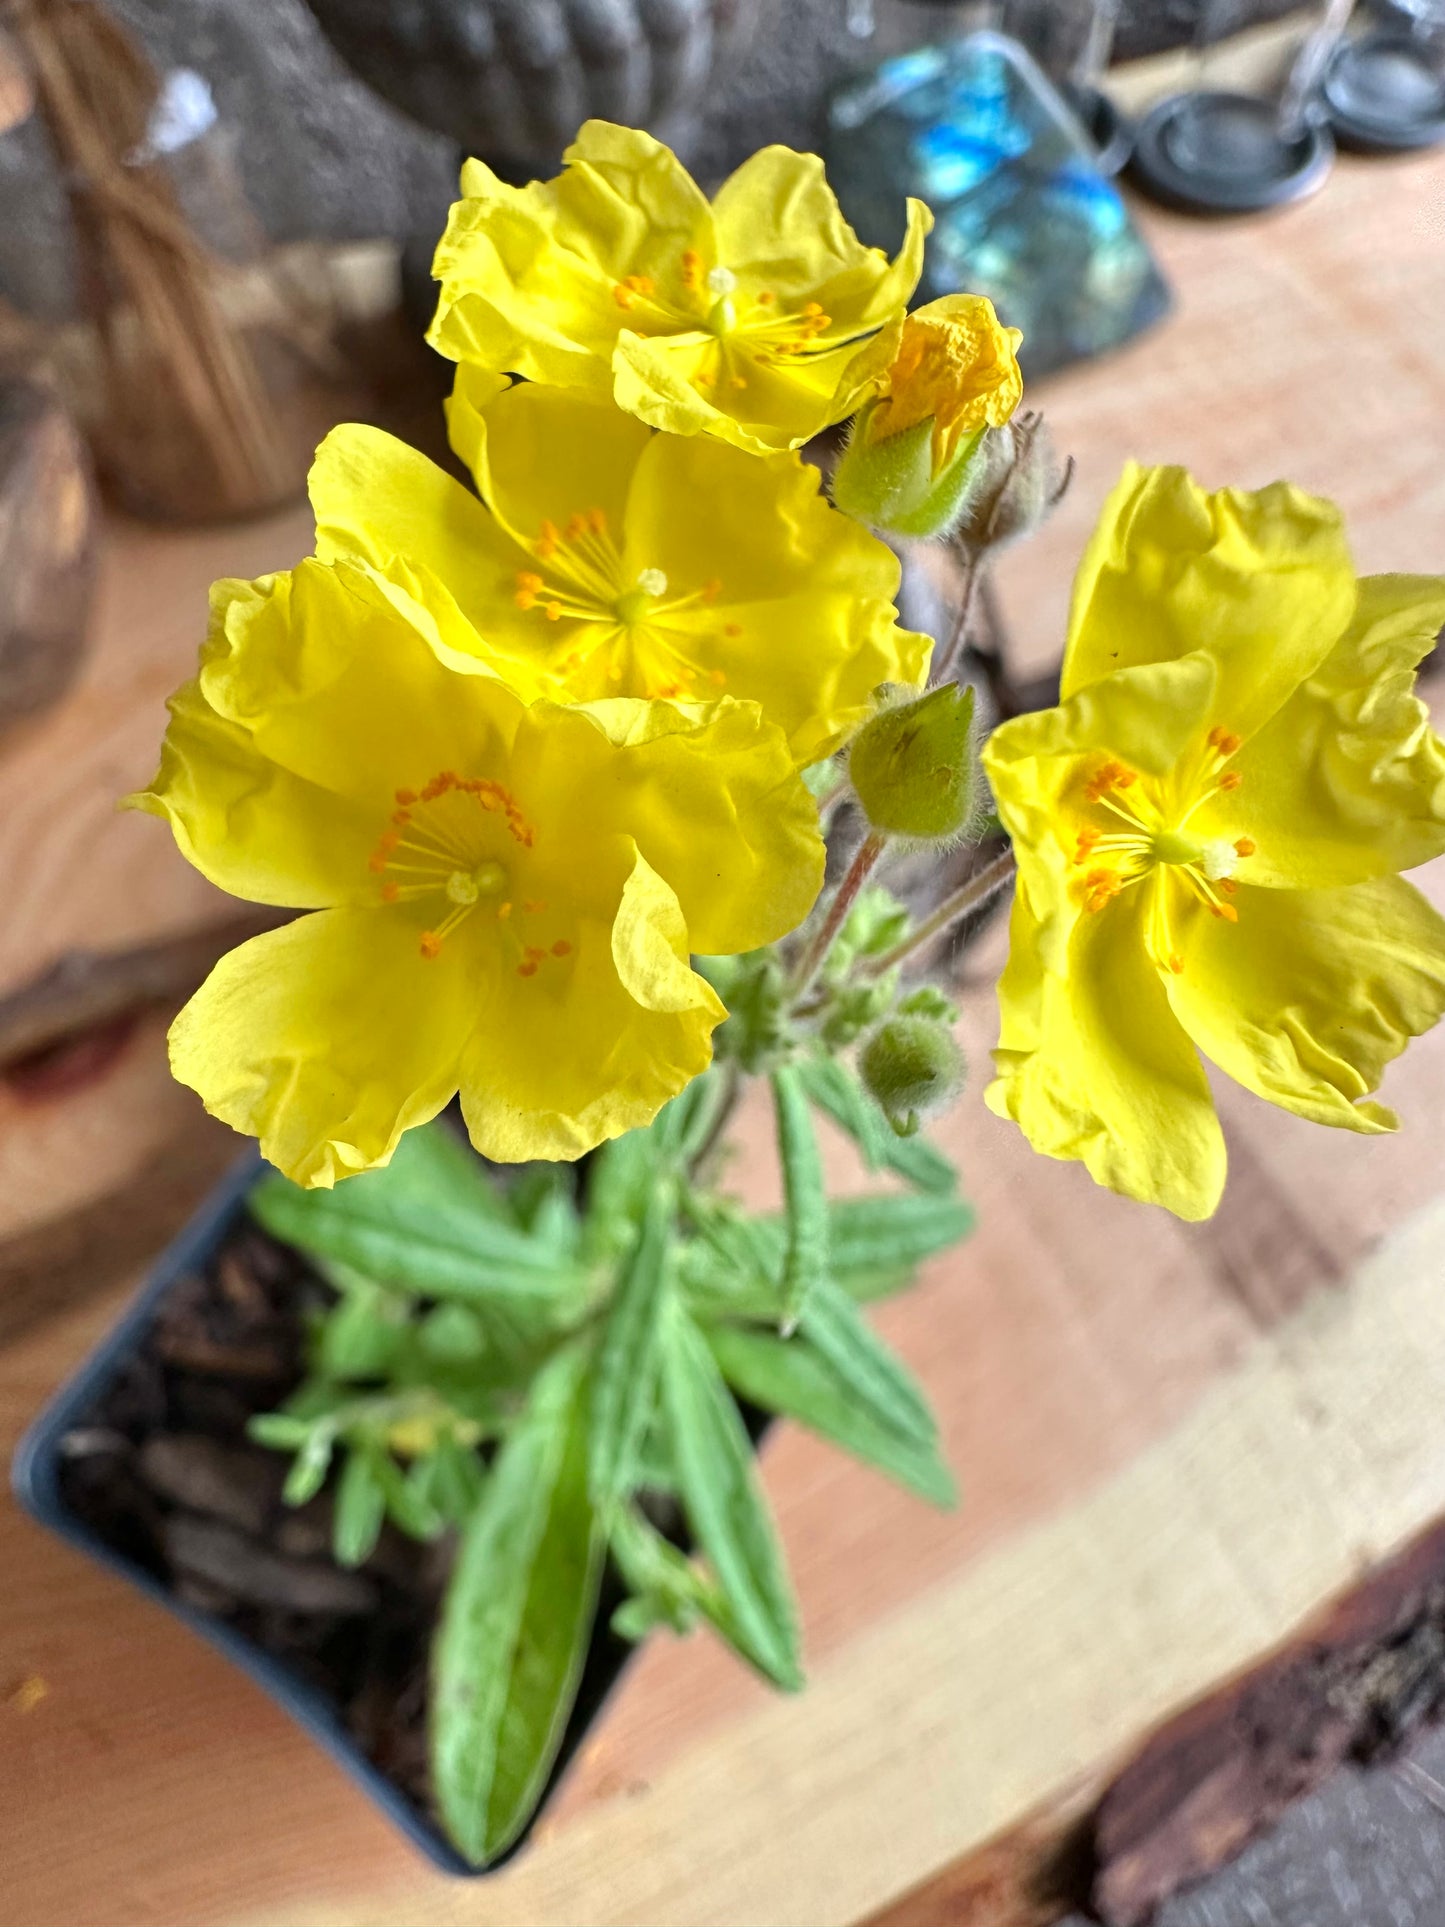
913	1069
891	485
913	766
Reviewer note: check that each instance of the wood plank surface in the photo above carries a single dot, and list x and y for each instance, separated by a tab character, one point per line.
1174	1443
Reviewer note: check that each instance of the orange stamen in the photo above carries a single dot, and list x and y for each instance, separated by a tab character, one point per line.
561	948
1245	846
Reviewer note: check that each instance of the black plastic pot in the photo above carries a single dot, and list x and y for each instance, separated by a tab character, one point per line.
35	1476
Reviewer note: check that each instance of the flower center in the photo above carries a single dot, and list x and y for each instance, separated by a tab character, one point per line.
1140	825
636	632
462	841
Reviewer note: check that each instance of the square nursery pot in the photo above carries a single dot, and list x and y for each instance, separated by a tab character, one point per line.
103	1408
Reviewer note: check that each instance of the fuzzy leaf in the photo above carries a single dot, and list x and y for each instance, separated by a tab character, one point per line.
516	1620
360	1509
880	1383
791	1376
805	1262
725	1507
879	1234
426	1224
626	1369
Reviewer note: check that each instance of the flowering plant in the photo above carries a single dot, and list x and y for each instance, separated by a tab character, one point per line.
553	769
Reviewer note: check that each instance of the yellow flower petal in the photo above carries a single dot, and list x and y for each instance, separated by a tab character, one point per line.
564	1061
340	678
1348	781
1261	581
802	621
710	795
248	825
1313	992
327	1039
618	278
543	455
1092	1065
778	223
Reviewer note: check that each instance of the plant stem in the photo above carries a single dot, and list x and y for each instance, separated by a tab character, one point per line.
857	874
971	566
723	1106
970	895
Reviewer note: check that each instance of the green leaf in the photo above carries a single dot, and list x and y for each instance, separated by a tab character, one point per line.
455	1480
429	1225
725	1507
363	1331
880	1234
282	1431
310	1466
626	1369
838	1094
619	1182
516	1620
880	1383
805	1262
360	1508
408	1503
670	1588
791	1376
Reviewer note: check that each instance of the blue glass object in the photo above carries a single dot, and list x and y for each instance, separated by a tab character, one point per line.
1022	213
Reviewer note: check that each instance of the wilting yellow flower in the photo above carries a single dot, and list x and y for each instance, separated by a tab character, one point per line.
955	366
505	895
613	561
951	373
1208	829
743	318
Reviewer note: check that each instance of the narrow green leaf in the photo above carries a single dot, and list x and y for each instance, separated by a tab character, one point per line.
362	1333
880	1234
516	1620
455	1479
408	1503
882	1385
805	1262
836	1092
725	1507
425	1226
791	1376
282	1431
360	1508
626	1370
670	1588
310	1466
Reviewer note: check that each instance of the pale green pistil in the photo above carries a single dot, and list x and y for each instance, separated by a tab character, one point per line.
1176	846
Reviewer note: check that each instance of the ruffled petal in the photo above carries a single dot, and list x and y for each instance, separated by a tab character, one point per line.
1348	781
543	455
585	1051
1261	581
345	680
327	1039
250	826
778	224
1093	1065
802	621
1313	992
709	793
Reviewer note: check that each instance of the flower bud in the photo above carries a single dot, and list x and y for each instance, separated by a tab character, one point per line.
913	766
1019	482
947	374
912	1069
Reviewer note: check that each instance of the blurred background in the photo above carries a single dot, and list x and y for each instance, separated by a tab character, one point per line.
1203	1466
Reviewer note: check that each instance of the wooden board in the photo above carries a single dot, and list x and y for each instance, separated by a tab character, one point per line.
1174	1442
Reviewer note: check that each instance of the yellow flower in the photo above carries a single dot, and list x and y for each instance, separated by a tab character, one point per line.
1208	829
505	895
956	366
742	318
615	562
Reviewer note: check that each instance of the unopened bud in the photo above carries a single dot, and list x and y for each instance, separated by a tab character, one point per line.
913	766
950	373
1020	481
912	1069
